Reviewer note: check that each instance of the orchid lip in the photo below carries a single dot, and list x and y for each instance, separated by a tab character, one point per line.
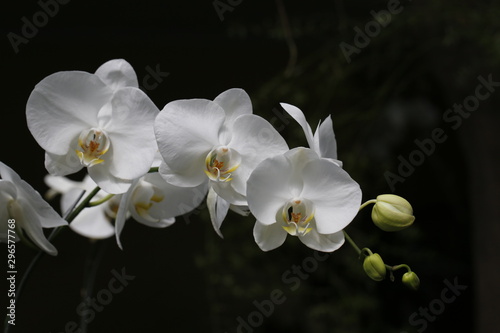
220	163
92	144
143	204
297	215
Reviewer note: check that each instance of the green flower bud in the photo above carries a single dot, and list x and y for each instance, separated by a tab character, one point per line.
411	280
392	213
374	267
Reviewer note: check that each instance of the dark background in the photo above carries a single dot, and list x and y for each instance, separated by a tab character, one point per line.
395	91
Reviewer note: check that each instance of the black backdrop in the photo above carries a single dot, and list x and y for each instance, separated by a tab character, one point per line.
393	91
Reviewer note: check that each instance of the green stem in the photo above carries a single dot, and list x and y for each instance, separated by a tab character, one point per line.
348	238
395	268
353	244
155	169
94	258
101	201
82	205
367	203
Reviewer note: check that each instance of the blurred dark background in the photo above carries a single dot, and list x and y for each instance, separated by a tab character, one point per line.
393	89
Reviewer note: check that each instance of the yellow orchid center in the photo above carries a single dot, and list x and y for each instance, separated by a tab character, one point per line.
92	144
297	215
221	162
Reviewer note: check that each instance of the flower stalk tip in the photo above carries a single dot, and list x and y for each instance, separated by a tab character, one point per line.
411	280
374	266
392	213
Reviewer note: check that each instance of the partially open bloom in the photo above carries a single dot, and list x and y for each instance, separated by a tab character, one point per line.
93	222
98	121
217	143
301	194
155	203
20	202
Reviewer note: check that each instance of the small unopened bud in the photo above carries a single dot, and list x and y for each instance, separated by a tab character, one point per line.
411	280
374	267
392	213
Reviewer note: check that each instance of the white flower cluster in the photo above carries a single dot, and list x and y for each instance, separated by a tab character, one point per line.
154	165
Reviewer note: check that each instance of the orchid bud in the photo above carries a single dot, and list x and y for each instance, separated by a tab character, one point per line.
374	267
392	213
411	280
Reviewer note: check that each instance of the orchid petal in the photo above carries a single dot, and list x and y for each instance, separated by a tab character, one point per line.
189	177
8	192
235	103
71	198
59	185
217	208
267	188
62	105
186	131
104	179
133	144
28	219
92	222
325	143
255	139
269	237
46	215
117	73
177	200
324	243
299	117
122	213
336	196
227	191
62	165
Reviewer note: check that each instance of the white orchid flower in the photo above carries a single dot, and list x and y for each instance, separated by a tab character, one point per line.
323	141
20	202
92	222
155	203
97	121
301	194
217	143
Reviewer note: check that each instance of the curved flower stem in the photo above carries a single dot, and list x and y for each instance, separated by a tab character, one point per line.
348	238
352	243
395	268
100	201
391	269
367	203
70	217
94	257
